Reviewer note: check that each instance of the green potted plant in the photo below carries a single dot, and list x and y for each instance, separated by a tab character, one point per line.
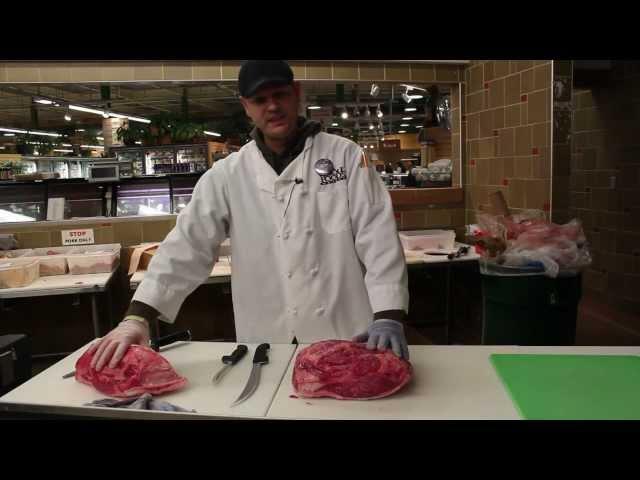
185	131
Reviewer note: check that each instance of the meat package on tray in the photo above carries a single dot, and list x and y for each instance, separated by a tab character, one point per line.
428	239
53	260
18	272
94	259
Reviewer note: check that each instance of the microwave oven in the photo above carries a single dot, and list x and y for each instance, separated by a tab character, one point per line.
103	172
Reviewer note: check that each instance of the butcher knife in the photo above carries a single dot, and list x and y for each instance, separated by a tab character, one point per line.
259	358
155	344
229	361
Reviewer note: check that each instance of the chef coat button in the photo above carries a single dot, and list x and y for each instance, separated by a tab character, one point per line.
314	271
294	311
289	274
285	235
319	311
309	231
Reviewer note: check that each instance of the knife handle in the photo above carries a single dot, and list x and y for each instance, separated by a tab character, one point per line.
261	357
236	355
185	336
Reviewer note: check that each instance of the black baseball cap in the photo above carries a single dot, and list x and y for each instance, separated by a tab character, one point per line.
255	74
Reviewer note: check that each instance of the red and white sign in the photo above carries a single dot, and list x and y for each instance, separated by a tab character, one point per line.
78	237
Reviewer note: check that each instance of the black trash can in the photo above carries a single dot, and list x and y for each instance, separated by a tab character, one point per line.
530	309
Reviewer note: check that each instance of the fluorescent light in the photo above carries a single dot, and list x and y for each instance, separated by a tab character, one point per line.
402	131
9	134
213	134
62	150
1	148
407	118
138	143
100	138
85	109
405	125
416	97
12	130
46	134
44	102
67	117
314	107
66	145
80	130
410	109
138	119
91	146
334	124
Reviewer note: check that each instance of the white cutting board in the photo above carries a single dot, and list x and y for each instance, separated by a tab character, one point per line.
197	361
449	382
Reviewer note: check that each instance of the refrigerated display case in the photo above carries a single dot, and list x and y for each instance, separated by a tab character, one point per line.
163	159
142	196
82	199
182	190
23	202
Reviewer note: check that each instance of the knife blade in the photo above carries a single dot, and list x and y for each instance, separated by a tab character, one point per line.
156	343
229	361
260	358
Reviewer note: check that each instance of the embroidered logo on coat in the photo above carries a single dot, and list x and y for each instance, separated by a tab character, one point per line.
337	175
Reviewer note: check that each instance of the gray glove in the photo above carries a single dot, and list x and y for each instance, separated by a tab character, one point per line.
381	333
143	402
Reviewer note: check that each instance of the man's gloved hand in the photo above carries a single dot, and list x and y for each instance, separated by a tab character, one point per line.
112	347
381	333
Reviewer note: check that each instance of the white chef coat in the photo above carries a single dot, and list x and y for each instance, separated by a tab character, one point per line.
309	260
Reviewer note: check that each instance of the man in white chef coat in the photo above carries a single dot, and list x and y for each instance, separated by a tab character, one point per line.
316	254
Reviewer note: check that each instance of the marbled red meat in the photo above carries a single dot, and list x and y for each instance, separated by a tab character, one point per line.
348	371
141	370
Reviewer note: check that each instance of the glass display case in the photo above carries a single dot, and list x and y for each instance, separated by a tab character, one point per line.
142	197
23	202
163	159
181	191
81	199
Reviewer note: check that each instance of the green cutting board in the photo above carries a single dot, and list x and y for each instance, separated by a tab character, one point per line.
572	387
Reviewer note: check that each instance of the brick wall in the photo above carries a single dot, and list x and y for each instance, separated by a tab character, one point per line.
507	133
605	183
80	72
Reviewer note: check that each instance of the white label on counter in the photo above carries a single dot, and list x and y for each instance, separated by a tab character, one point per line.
78	237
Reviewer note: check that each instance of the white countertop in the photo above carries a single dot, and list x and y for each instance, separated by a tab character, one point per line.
48	392
60	285
221	272
450	382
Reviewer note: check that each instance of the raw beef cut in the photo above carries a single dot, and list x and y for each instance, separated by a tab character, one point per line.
348	371
141	370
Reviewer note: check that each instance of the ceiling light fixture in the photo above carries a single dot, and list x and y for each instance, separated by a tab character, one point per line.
407	118
375	90
213	134
334	124
314	107
402	131
379	113
345	113
410	109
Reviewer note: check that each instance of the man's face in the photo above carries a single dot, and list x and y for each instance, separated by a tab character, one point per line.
274	109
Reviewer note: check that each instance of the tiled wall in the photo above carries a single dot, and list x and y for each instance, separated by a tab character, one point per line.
124	232
562	113
605	184
507	133
69	72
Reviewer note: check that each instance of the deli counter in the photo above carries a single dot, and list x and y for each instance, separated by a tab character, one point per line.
79	198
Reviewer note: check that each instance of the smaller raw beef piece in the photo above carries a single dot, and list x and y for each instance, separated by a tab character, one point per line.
348	371
141	370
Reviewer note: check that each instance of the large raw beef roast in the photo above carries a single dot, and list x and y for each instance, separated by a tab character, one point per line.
141	370
348	371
